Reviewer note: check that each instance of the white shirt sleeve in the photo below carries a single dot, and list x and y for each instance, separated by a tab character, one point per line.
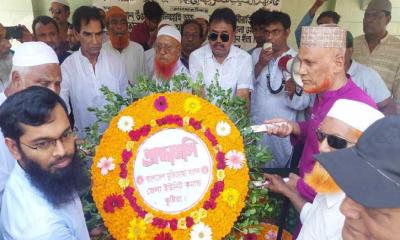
246	77
196	64
376	87
305	212
65	85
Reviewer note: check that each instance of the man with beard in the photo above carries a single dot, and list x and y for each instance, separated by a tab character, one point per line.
90	68
168	50
191	39
5	59
41	199
377	48
322	71
369	174
220	59
131	53
341	128
45	29
60	11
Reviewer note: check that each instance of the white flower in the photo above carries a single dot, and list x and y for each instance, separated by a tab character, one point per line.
223	129
126	123
106	164
201	231
234	159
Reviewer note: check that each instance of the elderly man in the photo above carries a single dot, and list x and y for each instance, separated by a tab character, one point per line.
45	29
60	11
41	199
90	68
220	59
369	174
5	59
322	72
368	80
167	61
34	64
341	128
271	96
131	53
192	36
377	48
145	33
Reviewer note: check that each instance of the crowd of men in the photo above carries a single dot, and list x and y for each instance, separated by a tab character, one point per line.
349	87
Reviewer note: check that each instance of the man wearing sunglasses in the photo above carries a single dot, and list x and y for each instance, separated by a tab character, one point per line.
341	128
220	59
41	199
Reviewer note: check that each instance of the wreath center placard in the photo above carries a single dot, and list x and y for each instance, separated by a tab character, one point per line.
170	166
173	170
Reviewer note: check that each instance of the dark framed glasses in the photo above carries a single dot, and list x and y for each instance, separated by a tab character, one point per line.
214	36
333	141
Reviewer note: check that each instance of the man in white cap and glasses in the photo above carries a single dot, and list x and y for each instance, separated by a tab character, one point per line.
341	128
369	174
322	71
34	64
167	61
60	12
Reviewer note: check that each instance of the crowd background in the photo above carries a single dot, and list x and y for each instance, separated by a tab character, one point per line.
14	12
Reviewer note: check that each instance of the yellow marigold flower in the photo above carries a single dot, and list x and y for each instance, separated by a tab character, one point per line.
148	218
123	183
153	123
182	223
220	175
230	196
196	216
202	213
192	105
129	145
186	120
137	229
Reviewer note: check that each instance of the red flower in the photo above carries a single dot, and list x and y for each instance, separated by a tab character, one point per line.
161	104
221	165
126	155
124	171
209	205
113	201
250	236
158	222
163	236
219	185
220	156
173	224
144	131
195	124
135	135
189	222
128	192
211	137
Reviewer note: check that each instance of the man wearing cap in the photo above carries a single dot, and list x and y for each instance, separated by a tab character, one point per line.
60	11
145	33
271	97
34	64
377	48
369	174
167	61
322	72
131	52
341	128
90	68
5	59
368	80
221	60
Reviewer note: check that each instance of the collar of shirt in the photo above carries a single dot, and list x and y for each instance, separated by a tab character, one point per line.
84	58
232	53
334	199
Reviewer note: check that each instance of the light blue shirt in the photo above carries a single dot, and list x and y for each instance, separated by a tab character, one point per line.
26	214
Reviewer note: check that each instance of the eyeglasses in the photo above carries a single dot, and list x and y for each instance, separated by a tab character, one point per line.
333	141
214	36
274	32
55	11
49	145
167	48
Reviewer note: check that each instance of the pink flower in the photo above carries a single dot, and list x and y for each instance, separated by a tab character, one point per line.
105	165
189	222
161	104
219	185
220	156
113	201
144	131
209	205
173	224
163	236
211	137
126	155
250	236
128	192
135	135
195	124
124	171
234	159
221	165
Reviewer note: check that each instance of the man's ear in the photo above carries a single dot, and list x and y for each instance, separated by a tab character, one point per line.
339	61
16	80
13	148
389	18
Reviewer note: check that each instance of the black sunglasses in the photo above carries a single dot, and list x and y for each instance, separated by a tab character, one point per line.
214	36
333	141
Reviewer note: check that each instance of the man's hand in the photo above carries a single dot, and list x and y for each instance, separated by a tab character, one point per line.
293	179
276	184
26	35
319	3
282	127
290	88
265	56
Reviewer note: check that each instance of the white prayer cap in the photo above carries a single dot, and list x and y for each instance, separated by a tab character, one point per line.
327	36
355	114
166	22
201	15
34	53
63	2
170	31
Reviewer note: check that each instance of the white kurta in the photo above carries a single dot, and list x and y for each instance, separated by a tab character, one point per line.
322	220
81	85
236	72
133	58
26	214
265	106
5	70
149	56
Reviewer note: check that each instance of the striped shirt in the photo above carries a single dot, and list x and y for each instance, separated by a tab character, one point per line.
384	59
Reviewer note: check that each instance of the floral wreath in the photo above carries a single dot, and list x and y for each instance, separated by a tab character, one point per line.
124	211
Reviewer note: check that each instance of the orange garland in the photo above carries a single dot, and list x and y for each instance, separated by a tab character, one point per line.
115	141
